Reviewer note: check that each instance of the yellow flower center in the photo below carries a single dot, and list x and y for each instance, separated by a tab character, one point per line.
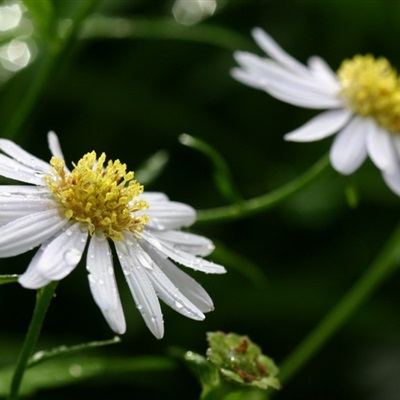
371	87
103	197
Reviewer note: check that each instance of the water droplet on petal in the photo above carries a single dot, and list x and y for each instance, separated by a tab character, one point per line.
72	257
110	271
178	305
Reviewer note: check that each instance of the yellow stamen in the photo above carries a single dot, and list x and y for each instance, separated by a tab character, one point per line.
103	197
371	87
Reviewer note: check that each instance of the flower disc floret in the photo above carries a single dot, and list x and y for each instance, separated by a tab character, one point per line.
103	197
371	87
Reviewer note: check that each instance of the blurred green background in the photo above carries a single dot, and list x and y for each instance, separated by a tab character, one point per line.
131	94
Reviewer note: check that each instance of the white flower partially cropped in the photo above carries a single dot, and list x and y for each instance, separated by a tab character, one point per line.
361	102
99	203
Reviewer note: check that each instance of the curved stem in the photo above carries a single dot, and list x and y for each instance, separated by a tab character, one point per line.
55	53
266	201
43	299
379	270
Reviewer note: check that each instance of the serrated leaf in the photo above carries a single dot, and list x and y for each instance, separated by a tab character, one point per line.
240	360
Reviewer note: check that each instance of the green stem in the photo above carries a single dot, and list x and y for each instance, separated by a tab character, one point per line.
43	299
379	270
266	201
55	53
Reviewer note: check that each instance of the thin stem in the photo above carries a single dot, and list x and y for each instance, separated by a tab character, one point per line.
43	299
266	201
379	270
54	53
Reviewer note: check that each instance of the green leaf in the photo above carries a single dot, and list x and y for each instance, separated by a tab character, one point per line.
41	356
163	29
206	372
8	279
152	167
42	13
221	173
240	360
60	372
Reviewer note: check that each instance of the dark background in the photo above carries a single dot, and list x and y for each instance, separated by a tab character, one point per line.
132	97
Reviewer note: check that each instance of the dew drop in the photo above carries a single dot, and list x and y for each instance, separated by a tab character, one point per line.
72	256
6	194
178	305
110	271
139	307
38	355
75	370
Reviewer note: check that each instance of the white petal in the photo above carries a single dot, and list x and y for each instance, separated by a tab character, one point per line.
321	69
32	278
27	232
169	215
321	126
152	197
349	148
188	242
298	97
102	282
381	147
11	190
181	257
268	71
392	179
22	156
14	206
171	295
396	143
276	52
54	145
63	253
12	169
186	284
133	262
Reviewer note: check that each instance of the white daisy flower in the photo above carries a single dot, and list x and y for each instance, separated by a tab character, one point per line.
362	101
101	202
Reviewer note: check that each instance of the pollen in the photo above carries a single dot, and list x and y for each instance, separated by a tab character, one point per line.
371	88
105	197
